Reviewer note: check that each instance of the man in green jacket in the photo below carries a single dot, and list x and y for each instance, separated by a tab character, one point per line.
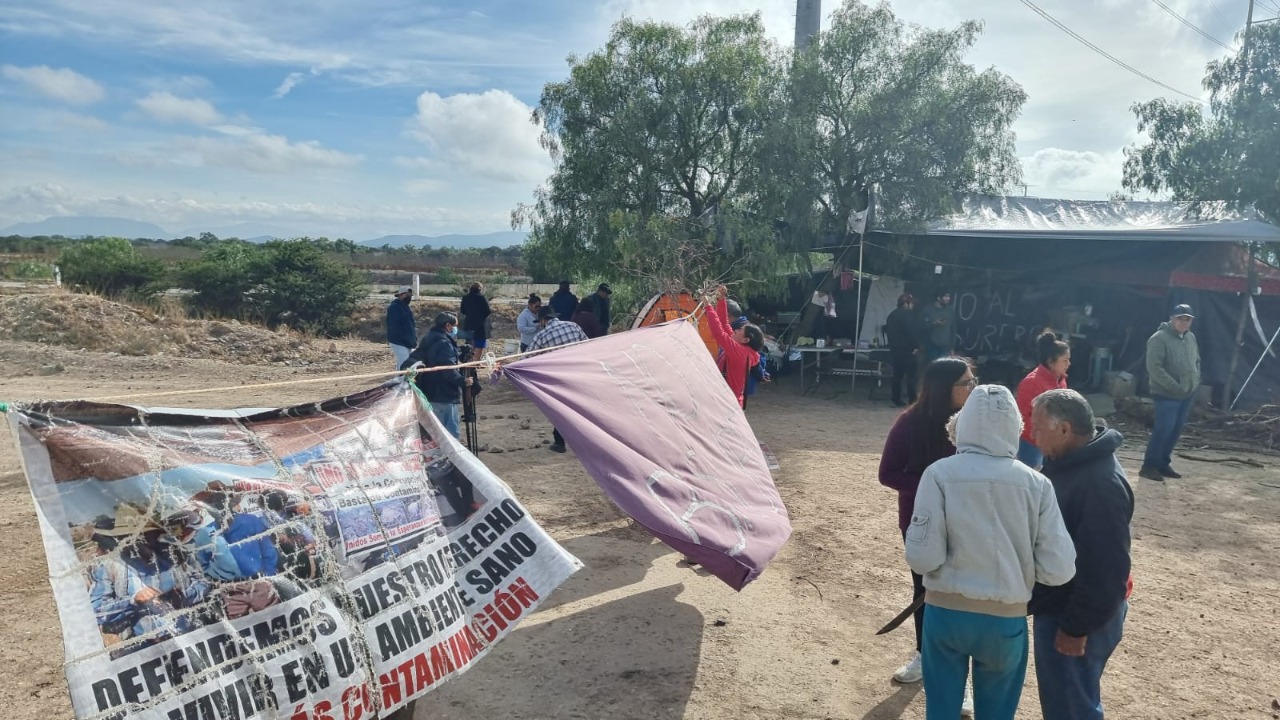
1173	371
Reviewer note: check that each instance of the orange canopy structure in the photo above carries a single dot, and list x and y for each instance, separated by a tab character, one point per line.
664	307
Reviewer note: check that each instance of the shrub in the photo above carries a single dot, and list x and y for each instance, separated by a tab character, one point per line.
222	279
299	285
31	270
113	267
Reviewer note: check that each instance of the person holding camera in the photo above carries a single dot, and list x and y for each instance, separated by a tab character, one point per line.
443	388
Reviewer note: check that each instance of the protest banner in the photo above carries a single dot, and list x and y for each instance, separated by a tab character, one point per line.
652	420
334	560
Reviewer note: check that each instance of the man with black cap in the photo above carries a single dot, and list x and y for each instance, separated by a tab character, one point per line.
554	333
1173	373
904	348
402	333
564	302
603	293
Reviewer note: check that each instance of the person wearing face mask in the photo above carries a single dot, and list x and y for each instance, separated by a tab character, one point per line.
1050	373
443	388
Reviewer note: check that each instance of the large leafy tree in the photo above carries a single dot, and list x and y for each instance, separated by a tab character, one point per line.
1229	151
653	136
897	107
683	153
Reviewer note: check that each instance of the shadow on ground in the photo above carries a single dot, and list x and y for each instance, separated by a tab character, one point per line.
633	655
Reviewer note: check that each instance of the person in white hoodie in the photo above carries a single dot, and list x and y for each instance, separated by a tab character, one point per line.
985	529
527	321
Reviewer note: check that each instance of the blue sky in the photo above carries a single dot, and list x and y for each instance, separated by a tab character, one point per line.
403	116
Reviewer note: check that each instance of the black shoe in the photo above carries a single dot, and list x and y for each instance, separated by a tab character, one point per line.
1151	474
1170	473
556	447
899	403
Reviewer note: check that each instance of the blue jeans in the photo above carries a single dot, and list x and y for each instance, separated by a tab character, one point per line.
447	414
1070	687
1029	454
998	647
1171	415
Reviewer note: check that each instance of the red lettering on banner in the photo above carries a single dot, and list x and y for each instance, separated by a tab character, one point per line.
319	712
355	702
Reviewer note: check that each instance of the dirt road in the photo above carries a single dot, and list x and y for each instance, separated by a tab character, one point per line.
637	634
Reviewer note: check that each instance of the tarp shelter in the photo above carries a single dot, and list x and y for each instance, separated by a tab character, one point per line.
1015	265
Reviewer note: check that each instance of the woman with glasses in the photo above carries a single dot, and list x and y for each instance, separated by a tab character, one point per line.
917	440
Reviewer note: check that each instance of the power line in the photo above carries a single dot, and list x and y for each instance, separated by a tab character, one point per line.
1104	53
1193	26
1221	17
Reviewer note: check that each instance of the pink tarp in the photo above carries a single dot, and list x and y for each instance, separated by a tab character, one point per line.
652	420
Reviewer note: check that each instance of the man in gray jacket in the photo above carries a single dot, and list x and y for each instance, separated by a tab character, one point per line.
1173	373
985	530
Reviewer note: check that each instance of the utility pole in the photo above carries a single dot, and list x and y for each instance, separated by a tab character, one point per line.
808	23
1251	274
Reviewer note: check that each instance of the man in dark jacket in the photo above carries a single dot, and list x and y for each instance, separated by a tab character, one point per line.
564	302
603	294
443	388
475	315
904	347
1079	625
402	334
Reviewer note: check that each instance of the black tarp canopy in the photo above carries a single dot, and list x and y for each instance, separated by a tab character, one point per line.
1013	263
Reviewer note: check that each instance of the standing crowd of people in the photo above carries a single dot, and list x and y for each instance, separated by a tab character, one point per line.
1009	504
1015	505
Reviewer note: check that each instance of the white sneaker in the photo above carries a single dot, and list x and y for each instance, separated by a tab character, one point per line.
966	707
912	672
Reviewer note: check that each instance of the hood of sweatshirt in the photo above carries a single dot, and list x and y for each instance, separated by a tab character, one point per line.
989	423
1105	442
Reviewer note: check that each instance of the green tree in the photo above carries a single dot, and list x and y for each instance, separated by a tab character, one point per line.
113	267
880	103
1227	152
655	131
299	285
222	279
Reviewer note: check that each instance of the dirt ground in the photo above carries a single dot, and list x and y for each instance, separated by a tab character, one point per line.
637	634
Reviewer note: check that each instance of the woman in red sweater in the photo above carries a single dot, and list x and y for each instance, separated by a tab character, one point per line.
741	347
1054	358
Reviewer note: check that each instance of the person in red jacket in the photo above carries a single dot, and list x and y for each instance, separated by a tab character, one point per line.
1054	358
741	347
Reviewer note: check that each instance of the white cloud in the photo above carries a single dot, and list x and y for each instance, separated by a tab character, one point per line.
35	202
79	121
167	107
1056	172
62	84
287	85
488	135
263	153
245	149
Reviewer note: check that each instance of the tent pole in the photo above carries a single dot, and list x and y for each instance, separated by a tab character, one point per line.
857	320
1256	365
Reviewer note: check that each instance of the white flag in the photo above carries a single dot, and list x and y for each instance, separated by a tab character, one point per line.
857	222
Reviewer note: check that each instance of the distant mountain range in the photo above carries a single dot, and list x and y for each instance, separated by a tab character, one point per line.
80	226
493	239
